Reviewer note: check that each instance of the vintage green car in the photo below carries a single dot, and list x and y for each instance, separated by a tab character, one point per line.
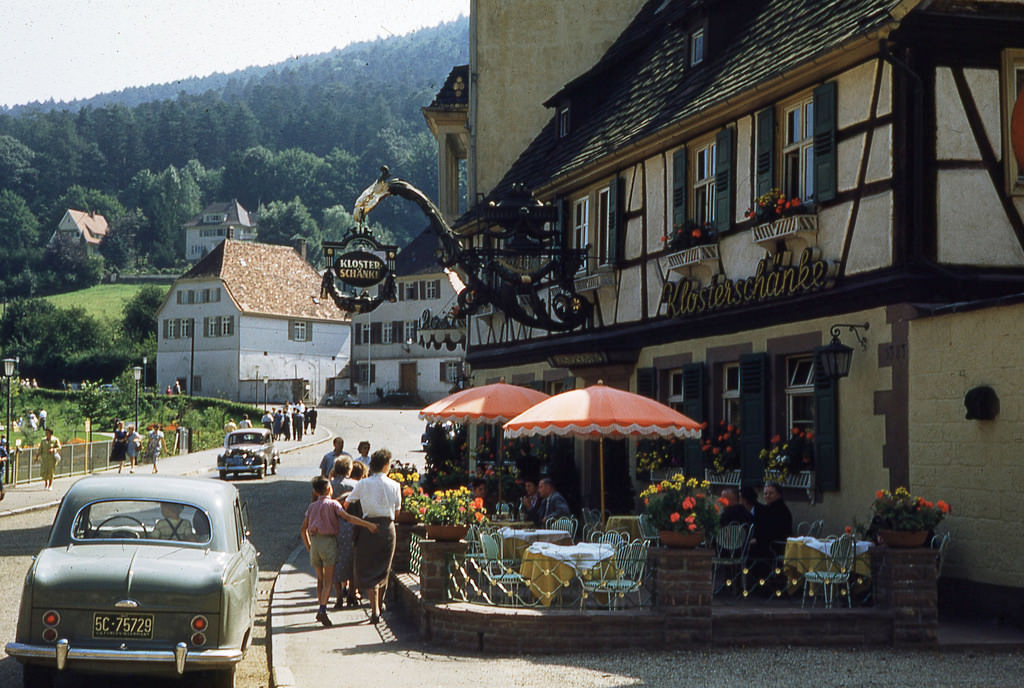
142	575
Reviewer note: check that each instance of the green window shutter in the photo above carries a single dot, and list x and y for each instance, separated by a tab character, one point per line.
375	337
764	159
397	327
678	190
647	382
231	328
357	332
723	180
826	429
441	378
693	407
291	330
616	203
753	416
825	142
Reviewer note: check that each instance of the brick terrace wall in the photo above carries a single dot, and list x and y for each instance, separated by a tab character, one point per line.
905	584
434	567
682	593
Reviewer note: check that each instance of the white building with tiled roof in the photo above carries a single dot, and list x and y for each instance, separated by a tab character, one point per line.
217	222
255	313
87	227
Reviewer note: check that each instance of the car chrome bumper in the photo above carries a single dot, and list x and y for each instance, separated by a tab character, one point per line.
179	657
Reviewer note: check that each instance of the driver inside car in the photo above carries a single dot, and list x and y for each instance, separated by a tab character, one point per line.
172	526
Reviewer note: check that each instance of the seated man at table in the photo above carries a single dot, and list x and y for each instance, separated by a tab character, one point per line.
732	511
773	523
552	503
531	500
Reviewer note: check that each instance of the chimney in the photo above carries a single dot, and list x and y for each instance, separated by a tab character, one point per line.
300	248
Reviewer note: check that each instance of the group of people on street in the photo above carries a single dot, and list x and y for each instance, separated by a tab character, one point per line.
127	446
290	421
350	561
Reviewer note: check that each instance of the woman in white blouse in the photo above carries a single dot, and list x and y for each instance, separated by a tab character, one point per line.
380	498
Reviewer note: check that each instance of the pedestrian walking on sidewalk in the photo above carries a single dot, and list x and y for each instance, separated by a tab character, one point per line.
49	456
133	448
154	444
380	498
119	446
320	536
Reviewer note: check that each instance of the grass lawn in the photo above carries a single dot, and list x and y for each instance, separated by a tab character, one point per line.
103	302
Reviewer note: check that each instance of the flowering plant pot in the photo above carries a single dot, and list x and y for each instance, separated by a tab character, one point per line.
901	511
446	533
682	505
456	507
903	538
675	539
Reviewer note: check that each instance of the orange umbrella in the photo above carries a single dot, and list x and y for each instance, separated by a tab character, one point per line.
494	403
597	412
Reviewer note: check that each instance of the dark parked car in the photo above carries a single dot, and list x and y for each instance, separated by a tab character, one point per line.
145	574
251	450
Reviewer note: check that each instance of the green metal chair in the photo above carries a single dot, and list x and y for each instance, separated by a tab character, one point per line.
496	571
647	530
838	567
566	523
731	543
617	581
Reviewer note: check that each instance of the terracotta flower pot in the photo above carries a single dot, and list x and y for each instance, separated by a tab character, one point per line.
446	533
903	538
671	538
406	517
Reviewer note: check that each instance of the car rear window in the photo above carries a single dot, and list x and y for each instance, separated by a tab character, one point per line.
164	521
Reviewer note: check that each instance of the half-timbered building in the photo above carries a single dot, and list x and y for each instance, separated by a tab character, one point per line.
750	179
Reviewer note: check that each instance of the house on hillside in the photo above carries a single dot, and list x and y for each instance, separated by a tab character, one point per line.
247	323
79	225
758	186
217	221
410	349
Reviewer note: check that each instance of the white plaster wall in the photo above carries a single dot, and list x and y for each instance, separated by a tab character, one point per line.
657	204
855	90
880	163
954	139
629	295
973	228
984	87
742	177
871	245
832	223
849	154
885	92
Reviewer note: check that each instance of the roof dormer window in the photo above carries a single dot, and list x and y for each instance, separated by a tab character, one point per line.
214	218
563	121
696	47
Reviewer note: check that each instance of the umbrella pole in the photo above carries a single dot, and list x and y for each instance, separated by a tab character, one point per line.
501	463
600	453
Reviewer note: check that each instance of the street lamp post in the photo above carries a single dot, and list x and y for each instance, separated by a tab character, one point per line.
137	373
145	360
8	373
264	394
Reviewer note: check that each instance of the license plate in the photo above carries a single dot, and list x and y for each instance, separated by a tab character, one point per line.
122	626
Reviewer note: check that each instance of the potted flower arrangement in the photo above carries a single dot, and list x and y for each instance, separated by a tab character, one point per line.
406	475
721	447
774	205
902	520
780	458
689	234
682	509
449	513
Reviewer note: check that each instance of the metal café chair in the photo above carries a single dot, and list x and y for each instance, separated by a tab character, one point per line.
837	571
566	523
497	571
617	581
940	543
731	544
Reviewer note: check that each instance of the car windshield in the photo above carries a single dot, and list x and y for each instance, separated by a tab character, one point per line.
247	438
142	520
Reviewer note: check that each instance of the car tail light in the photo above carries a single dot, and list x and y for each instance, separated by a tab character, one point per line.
199	623
51	618
198	639
49	634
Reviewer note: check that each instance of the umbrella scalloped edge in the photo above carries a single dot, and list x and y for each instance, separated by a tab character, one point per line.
470	419
596	430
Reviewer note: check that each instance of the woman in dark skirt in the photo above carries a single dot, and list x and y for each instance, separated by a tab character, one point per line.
119	447
380	498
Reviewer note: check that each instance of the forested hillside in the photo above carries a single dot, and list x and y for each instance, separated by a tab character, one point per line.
295	142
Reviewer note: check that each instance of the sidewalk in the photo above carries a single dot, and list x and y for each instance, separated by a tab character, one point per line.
31	496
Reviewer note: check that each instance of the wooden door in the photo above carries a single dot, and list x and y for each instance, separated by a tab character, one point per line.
407	377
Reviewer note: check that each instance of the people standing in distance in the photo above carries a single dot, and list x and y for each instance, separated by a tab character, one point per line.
286	422
49	456
278	422
363	448
530	501
154	444
337	451
380	498
297	422
320	536
311	418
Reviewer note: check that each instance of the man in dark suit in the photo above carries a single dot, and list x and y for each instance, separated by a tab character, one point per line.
732	511
552	503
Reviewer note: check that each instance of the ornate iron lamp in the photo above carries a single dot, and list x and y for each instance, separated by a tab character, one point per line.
835	358
9	365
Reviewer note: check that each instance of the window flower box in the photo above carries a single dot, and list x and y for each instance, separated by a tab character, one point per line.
804	480
594	282
801	226
695	255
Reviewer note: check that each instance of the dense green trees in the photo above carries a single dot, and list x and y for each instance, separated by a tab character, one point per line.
294	141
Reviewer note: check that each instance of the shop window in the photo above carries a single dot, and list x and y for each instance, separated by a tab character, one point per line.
731	393
676	397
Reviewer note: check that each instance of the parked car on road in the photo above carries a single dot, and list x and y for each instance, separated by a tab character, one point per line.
251	450
148	574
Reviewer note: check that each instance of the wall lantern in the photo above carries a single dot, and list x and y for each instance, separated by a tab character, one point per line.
834	359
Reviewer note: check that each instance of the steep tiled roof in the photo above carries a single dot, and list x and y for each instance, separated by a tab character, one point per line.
420	256
266	279
455	92
644	84
93	225
234	211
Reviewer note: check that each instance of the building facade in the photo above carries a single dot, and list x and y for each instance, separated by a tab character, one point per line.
408	349
217	221
89	228
246	323
751	181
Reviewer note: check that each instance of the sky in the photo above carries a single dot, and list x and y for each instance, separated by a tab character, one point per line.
68	49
